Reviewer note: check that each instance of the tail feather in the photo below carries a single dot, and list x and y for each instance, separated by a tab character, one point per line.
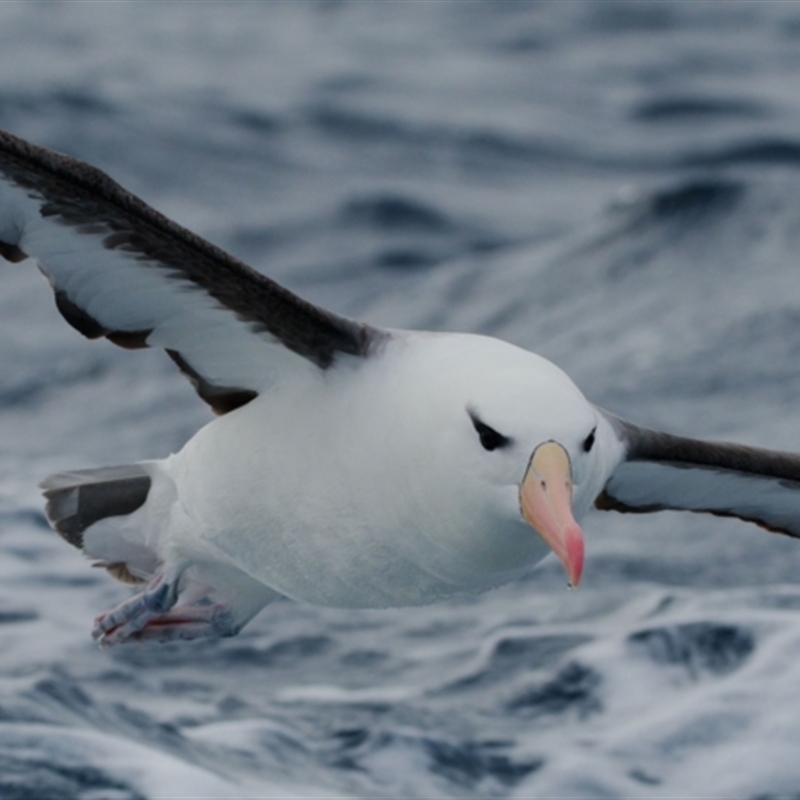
79	499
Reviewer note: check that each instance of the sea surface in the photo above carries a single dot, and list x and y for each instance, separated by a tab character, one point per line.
615	185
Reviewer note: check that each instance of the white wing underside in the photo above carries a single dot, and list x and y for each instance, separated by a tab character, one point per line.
116	289
661	471
121	270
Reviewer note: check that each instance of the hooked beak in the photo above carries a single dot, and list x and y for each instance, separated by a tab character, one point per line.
545	497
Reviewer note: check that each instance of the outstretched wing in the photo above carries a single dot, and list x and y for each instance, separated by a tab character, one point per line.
121	270
661	471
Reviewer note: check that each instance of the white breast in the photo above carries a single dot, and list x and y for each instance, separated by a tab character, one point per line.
329	492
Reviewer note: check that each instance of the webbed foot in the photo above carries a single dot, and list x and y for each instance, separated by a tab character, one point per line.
188	622
122	622
210	600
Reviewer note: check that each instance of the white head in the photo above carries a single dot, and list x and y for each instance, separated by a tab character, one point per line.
508	442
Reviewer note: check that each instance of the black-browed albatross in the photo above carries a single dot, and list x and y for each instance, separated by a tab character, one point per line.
350	466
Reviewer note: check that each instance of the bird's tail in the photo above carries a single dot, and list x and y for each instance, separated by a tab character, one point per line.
78	503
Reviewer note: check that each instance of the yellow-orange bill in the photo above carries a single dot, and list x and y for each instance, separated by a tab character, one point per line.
546	500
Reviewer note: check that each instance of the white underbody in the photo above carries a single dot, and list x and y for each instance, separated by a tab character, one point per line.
339	488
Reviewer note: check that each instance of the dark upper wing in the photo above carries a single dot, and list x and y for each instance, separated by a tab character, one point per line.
121	270
661	471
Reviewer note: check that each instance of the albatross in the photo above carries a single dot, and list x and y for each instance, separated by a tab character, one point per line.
349	465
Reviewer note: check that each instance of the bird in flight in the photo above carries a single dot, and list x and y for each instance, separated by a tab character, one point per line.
349	465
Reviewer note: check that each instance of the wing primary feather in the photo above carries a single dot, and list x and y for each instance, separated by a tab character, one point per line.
643	444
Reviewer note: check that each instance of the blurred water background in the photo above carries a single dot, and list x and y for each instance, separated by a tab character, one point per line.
615	185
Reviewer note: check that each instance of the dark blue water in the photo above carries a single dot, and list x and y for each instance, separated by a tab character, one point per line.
612	184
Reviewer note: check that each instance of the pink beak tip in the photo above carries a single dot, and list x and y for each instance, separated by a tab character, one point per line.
573	561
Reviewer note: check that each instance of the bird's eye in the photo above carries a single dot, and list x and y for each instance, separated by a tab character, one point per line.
588	442
490	438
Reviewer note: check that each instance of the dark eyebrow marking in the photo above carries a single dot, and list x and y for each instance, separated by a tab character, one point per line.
490	438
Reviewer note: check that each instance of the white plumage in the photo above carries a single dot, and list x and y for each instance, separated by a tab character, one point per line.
351	466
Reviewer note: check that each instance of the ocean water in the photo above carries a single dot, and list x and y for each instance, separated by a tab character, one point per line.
615	185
